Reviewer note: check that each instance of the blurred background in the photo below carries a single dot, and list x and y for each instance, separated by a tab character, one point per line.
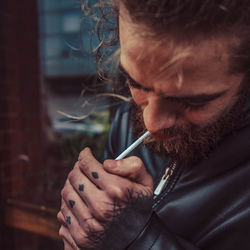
47	70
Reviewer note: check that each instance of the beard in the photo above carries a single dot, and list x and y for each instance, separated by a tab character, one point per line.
192	143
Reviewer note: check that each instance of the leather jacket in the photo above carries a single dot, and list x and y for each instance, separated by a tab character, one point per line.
203	207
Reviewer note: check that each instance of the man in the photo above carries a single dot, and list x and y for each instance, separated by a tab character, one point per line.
187	67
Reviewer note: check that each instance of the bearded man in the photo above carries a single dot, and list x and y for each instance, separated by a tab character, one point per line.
186	64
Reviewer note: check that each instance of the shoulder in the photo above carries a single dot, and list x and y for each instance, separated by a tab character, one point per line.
121	132
122	118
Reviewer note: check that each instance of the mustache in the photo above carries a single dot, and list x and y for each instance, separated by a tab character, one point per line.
173	131
182	132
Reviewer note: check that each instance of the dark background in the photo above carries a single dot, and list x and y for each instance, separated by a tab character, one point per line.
43	70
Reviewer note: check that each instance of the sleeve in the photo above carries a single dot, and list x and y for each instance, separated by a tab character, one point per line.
136	227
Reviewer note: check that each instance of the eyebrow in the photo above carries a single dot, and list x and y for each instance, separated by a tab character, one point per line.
198	98
134	83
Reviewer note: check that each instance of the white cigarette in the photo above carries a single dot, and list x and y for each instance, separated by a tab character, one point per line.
134	145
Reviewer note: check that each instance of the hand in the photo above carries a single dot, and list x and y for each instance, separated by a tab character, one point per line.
94	193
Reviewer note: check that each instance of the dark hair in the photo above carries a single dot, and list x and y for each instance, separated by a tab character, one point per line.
202	16
188	19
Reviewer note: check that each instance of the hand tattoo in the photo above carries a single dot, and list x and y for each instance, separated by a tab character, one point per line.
81	187
95	175
68	219
72	203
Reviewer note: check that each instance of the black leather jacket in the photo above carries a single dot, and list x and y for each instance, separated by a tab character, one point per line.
203	207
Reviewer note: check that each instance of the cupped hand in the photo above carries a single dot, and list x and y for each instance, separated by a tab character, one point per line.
94	193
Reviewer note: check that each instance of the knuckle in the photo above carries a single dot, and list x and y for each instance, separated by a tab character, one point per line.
64	209
100	211
136	163
116	192
65	193
61	232
149	191
72	175
83	153
80	238
59	216
92	225
84	163
137	168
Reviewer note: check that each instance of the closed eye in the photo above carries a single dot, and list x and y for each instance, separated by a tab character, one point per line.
195	106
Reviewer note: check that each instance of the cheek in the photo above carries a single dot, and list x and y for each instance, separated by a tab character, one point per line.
200	118
207	115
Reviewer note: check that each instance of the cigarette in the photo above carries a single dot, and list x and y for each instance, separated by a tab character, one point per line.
133	146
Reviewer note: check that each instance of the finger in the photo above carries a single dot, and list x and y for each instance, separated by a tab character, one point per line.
79	209
61	219
85	188
132	168
93	169
82	184
78	233
115	189
68	246
115	186
118	188
68	241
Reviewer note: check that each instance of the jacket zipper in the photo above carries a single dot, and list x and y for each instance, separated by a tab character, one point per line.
166	183
165	179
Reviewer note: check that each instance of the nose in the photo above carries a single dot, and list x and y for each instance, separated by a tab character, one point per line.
159	115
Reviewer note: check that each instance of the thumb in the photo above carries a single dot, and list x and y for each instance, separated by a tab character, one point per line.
132	168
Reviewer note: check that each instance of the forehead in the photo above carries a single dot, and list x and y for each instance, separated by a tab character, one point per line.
163	58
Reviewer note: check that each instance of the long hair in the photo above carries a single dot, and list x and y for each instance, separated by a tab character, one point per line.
185	19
